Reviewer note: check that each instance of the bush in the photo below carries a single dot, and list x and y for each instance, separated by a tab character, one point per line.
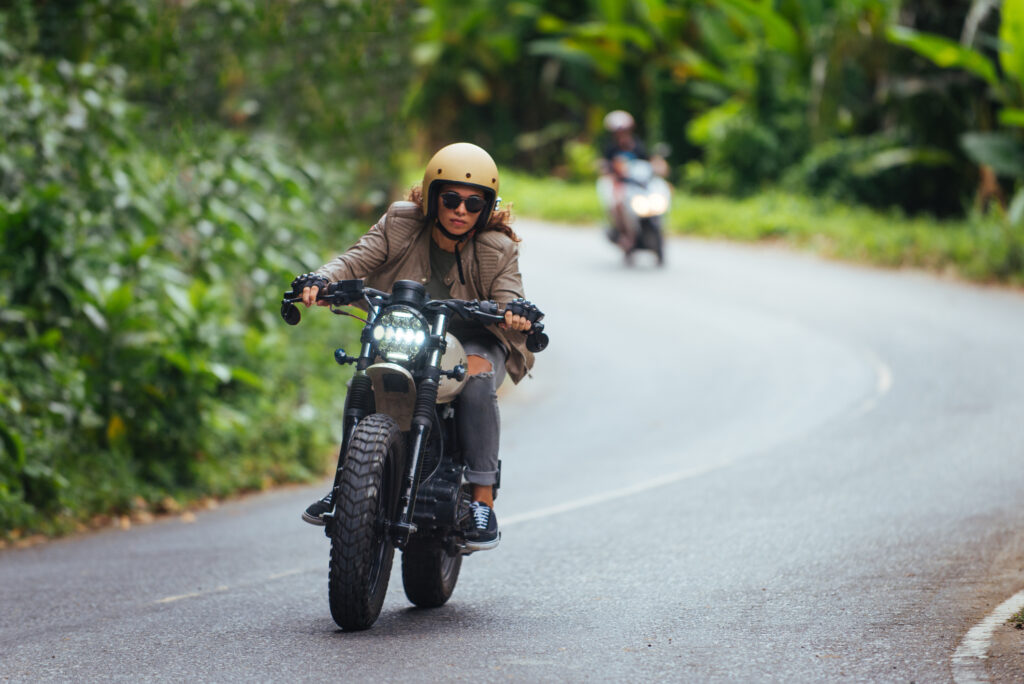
141	350
881	171
582	161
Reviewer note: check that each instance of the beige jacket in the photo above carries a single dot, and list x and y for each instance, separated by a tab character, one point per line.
398	248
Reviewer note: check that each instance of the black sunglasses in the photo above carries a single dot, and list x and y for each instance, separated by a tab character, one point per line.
474	203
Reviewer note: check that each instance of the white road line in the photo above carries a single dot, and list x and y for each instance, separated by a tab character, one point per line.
200	594
883	382
172	599
969	659
604	497
286	573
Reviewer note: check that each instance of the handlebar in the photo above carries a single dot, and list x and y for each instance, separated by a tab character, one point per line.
346	292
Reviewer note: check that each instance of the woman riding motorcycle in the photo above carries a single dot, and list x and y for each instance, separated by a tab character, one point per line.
451	236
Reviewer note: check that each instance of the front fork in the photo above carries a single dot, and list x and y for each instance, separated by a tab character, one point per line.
422	420
360	394
357	405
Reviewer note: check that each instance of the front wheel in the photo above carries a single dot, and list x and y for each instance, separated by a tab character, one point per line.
654	239
429	573
361	549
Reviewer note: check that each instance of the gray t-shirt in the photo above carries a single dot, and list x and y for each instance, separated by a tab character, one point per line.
441	264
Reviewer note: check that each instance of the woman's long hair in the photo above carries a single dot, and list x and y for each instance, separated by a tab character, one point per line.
500	220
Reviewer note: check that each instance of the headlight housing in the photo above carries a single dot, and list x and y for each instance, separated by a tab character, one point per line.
400	333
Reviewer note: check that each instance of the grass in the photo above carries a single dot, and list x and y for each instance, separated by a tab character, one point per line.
1017	619
982	248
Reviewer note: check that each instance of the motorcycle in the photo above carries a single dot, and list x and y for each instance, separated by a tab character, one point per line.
400	481
645	199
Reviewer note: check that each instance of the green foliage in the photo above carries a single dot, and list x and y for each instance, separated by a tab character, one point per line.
981	248
581	160
999	149
745	155
141	351
552	199
475	78
878	171
945	52
329	75
1003	151
166	167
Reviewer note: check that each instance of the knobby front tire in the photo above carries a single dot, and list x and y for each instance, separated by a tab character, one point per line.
361	549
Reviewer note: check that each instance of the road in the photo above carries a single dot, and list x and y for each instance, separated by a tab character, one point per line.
750	465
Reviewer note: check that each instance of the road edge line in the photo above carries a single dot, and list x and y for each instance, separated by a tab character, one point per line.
968	661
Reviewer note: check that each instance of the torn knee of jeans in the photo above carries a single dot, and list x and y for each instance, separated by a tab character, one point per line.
489	375
477	360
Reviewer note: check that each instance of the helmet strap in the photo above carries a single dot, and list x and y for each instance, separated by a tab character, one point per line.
459	239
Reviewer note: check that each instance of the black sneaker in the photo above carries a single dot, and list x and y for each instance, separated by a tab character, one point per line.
485	534
317	510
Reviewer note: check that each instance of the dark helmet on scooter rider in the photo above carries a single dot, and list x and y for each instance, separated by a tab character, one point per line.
618	120
465	164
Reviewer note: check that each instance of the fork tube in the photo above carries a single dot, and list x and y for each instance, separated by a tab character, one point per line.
357	403
422	420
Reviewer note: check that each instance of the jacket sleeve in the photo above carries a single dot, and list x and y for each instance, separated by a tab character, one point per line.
362	258
500	256
508	282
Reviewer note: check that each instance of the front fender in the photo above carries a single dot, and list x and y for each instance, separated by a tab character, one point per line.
394	392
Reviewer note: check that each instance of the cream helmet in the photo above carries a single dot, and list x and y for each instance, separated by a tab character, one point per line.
466	164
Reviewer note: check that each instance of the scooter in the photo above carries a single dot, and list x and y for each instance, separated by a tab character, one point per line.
636	200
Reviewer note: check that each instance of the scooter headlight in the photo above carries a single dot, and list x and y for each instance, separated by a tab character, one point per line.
399	334
641	205
658	204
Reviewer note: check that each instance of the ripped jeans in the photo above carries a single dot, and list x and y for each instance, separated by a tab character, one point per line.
478	419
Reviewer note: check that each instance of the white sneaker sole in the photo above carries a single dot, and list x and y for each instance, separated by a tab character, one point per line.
483	546
319	522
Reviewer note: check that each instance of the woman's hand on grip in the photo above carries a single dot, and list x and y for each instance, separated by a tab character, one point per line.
310	284
520	315
514	322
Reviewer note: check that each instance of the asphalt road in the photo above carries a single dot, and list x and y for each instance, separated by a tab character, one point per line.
750	465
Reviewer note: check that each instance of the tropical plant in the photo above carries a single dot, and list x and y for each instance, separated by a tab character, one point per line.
997	141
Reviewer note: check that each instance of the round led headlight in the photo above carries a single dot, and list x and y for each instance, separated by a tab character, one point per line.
400	333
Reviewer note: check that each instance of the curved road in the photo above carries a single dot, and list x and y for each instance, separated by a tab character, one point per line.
748	465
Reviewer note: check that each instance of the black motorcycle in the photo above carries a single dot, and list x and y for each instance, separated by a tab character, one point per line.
400	481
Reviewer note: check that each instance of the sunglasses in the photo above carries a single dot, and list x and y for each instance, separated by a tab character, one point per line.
474	203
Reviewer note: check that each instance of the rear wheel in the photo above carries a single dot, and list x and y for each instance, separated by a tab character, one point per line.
361	549
429	573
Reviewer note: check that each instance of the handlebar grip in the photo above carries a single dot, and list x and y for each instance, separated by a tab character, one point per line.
290	313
